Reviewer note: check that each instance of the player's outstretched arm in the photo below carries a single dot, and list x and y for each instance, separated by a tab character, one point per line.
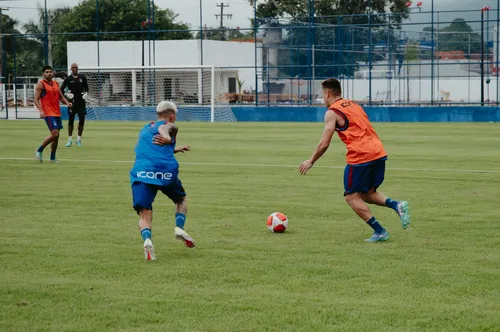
182	149
330	125
38	95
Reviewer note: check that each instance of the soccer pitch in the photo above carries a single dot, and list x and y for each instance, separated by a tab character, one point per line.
71	254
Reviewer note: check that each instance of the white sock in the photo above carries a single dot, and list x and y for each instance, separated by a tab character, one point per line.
70	138
79	138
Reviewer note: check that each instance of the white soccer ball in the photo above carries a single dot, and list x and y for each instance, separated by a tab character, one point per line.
277	222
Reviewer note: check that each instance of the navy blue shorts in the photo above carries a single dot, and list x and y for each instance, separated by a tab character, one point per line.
364	177
53	122
143	194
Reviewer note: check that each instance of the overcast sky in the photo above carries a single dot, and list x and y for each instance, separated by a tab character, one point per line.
188	10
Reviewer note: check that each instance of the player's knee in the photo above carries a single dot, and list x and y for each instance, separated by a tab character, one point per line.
351	199
55	133
145	214
180	201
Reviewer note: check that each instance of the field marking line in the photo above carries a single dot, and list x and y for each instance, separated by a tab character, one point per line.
264	165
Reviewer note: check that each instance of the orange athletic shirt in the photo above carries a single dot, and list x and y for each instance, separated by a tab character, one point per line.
362	142
50	98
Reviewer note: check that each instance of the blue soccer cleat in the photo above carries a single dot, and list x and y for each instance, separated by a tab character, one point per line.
404	214
379	237
78	142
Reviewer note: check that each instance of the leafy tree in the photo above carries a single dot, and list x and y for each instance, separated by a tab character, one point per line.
28	55
325	10
339	29
79	24
225	34
458	36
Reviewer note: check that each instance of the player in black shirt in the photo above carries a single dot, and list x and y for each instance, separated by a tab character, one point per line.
77	93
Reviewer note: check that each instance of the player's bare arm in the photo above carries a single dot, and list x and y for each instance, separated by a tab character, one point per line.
330	125
38	95
182	149
169	130
166	132
64	100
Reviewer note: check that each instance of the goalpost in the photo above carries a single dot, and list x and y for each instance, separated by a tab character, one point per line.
132	93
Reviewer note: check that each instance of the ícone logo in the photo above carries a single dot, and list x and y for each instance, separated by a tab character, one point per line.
154	175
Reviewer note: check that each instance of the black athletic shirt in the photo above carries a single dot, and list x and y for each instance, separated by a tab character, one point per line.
76	85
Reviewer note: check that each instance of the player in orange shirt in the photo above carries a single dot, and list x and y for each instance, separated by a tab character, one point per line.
366	158
47	97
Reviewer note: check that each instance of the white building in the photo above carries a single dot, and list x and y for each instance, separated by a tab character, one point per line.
233	59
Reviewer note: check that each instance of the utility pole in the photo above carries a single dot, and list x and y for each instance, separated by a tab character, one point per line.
222	15
49	39
46	32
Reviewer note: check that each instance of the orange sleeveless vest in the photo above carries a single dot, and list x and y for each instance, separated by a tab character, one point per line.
50	98
362	142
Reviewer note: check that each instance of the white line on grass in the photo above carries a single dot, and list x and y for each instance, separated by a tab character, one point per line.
444	170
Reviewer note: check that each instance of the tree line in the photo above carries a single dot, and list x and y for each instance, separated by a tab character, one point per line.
339	28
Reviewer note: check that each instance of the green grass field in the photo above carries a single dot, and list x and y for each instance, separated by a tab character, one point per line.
71	255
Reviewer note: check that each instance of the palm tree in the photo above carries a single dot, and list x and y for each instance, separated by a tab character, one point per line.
37	28
240	85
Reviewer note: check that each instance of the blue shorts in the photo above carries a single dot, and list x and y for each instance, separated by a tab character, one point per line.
53	122
143	194
364	177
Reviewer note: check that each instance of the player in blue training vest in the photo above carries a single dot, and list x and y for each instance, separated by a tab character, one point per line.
155	168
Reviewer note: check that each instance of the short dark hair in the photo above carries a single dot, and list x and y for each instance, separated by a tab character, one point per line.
44	68
333	85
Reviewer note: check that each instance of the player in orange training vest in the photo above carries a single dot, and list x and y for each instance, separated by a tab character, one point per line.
47	97
366	158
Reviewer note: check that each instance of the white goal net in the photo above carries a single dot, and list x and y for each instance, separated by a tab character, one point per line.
132	93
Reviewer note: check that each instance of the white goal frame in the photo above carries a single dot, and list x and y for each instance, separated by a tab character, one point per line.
134	69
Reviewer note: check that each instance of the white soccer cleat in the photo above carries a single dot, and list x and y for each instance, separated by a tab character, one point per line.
181	234
149	250
38	156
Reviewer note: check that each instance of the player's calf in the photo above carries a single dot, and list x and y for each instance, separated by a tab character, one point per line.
359	206
51	139
180	220
145	226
